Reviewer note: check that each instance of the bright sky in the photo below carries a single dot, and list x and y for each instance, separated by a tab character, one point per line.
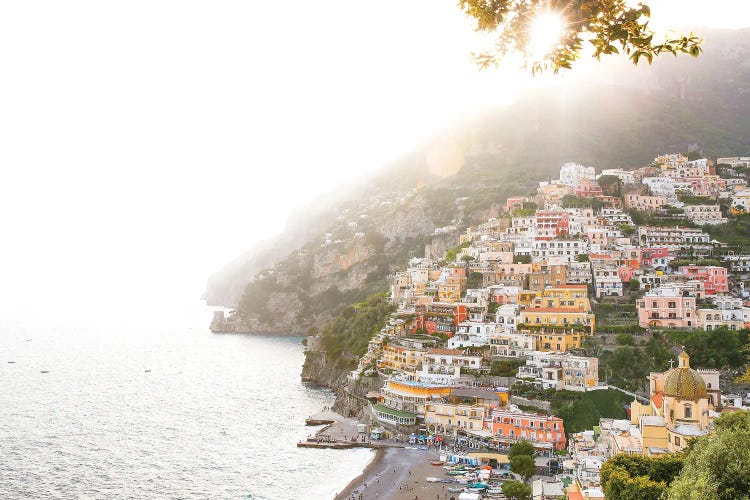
145	143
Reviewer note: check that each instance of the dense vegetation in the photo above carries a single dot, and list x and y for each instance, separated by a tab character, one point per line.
345	337
579	410
637	477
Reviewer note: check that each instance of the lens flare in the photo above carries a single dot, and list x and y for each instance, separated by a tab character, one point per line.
544	34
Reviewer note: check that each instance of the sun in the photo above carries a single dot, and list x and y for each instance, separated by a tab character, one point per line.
544	34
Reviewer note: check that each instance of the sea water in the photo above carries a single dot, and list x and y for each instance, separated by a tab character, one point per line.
159	410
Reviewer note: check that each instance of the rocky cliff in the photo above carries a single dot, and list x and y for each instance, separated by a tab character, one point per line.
350	396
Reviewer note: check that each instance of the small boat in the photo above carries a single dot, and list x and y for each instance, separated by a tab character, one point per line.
437	463
433	479
147	371
456	472
455	489
45	371
11	362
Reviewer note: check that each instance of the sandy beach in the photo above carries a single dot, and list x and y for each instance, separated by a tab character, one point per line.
398	473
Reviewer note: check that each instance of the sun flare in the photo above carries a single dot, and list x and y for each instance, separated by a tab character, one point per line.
544	34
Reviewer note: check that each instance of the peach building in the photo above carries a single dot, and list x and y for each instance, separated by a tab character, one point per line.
667	307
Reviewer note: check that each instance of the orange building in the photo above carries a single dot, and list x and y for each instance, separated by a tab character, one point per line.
510	424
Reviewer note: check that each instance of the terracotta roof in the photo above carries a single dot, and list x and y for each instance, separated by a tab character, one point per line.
657	399
574	495
569	286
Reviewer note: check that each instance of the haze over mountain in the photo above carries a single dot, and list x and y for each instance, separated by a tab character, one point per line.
614	115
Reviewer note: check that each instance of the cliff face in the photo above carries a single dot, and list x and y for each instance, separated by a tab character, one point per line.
350	397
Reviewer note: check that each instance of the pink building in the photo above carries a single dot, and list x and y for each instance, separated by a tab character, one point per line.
655	257
714	278
551	224
645	203
667	308
587	189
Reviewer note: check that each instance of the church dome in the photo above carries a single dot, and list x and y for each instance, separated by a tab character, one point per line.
683	382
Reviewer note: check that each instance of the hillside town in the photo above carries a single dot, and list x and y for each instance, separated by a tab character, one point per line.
522	290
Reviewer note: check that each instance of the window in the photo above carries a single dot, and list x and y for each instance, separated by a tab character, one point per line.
688	411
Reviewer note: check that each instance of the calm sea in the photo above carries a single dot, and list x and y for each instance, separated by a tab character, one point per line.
162	410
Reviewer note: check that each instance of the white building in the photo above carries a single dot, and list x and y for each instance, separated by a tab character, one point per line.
560	371
742	199
625	176
571	174
472	334
607	282
512	345
563	250
439	363
704	214
671	237
579	273
614	216
506	317
661	186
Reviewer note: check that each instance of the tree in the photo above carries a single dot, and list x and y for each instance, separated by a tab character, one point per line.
582	257
521	448
637	477
624	339
516	490
626	229
611	26
611	185
522	259
523	465
717	467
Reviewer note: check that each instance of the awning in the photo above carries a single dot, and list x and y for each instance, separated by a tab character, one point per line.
479	432
390	411
501	459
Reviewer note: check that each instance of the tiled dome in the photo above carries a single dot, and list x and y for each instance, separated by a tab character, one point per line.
685	383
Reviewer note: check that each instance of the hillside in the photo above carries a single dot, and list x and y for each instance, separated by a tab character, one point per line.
340	249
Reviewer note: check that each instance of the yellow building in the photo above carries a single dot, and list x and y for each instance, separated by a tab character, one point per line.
679	410
559	342
401	358
449	292
444	418
562	318
553	302
567	292
464	409
527	297
405	401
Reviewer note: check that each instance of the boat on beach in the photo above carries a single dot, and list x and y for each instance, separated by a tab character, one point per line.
437	463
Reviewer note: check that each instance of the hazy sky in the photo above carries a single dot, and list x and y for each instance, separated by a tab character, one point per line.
145	143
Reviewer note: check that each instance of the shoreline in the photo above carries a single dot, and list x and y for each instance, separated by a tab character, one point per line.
396	474
376	460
